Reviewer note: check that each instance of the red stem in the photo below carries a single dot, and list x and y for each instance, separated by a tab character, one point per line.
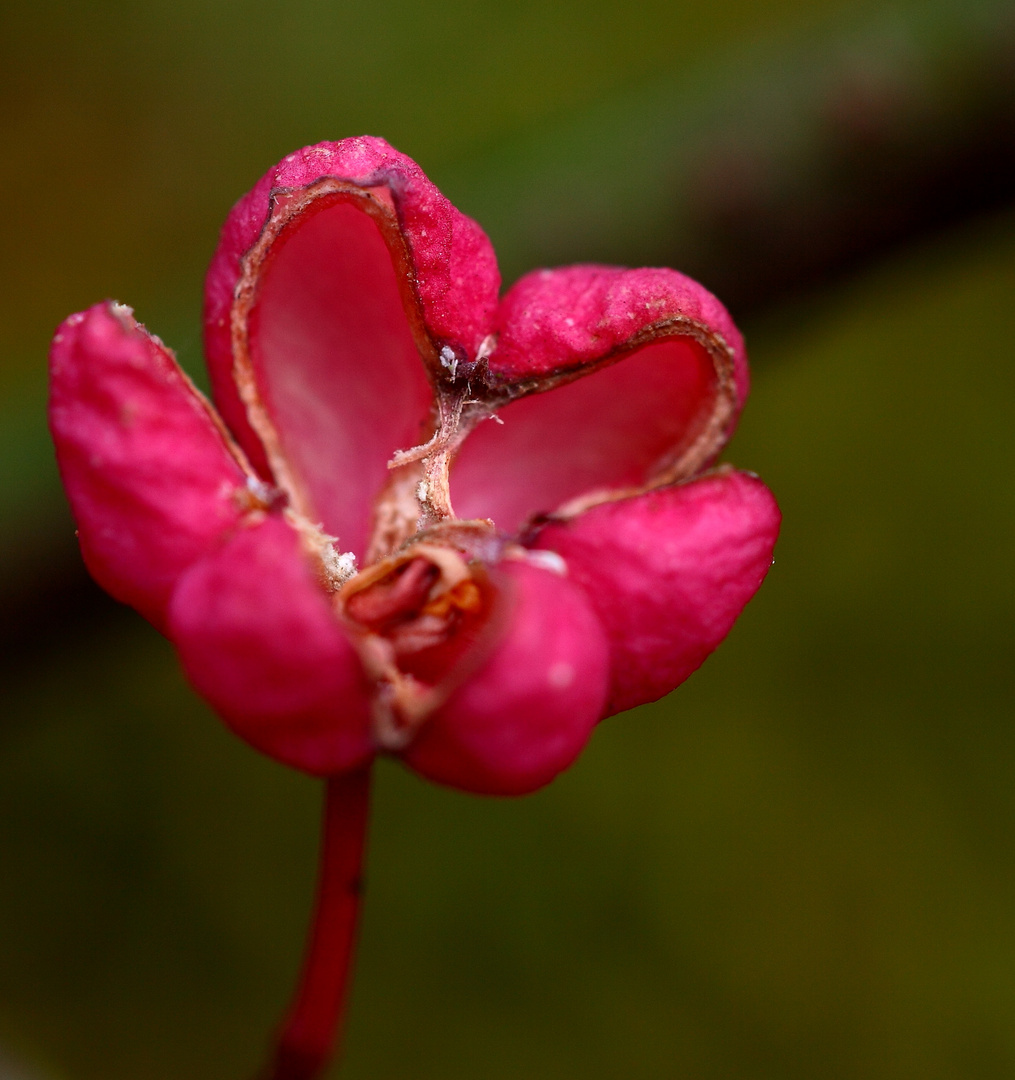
312	1027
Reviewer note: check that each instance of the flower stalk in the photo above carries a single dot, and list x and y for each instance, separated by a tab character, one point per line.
313	1025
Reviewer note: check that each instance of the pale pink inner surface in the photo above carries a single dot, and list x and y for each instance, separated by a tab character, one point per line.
337	366
609	429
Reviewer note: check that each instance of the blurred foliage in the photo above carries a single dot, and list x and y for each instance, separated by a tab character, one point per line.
798	865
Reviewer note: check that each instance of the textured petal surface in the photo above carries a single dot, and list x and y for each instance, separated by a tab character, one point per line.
257	638
335	347
675	390
552	319
527	713
668	573
151	479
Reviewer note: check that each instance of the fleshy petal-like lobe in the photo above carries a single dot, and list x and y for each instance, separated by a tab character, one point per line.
576	315
150	475
668	573
258	639
353	265
529	710
336	366
663	377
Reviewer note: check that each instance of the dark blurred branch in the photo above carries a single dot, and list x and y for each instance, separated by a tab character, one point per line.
793	164
896	151
779	173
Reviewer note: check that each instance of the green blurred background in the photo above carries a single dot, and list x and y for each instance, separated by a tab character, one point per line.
801	863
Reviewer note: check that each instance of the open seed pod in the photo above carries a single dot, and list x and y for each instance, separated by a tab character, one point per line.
420	519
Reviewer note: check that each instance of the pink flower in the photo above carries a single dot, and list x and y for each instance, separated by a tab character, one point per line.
422	521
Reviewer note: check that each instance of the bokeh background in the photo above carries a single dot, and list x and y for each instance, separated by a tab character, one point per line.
802	863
